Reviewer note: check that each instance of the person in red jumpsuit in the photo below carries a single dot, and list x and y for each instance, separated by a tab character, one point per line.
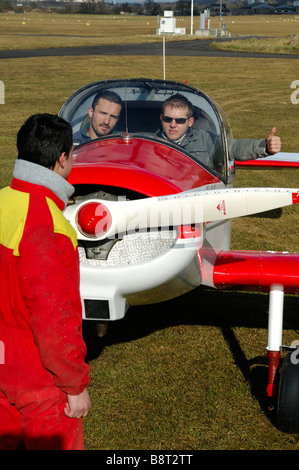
43	373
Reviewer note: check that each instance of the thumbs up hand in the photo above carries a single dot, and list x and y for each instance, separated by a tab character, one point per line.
273	142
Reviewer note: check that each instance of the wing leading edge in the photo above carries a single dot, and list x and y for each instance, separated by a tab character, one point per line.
257	271
279	160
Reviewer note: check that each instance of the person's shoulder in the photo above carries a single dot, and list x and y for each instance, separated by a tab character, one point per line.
202	134
80	137
193	134
60	224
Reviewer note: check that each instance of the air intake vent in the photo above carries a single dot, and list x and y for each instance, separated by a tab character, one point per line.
97	309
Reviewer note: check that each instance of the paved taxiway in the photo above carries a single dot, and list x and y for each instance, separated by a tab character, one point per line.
194	48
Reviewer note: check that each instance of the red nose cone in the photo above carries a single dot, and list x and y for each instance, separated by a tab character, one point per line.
94	219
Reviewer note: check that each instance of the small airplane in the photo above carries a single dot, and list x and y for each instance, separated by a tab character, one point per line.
153	223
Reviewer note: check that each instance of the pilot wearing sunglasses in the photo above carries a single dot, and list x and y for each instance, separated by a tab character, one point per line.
177	121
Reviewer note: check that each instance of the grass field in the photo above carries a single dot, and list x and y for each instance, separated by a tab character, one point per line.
190	373
38	29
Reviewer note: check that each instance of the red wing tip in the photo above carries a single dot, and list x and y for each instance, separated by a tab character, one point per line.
295	198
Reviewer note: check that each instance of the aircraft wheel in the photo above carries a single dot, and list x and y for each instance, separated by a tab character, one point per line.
288	396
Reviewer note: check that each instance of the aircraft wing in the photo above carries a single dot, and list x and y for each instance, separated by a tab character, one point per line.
279	160
256	271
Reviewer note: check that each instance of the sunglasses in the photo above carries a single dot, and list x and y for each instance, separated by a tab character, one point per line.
177	120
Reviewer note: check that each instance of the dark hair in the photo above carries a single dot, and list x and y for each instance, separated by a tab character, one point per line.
43	138
107	95
178	101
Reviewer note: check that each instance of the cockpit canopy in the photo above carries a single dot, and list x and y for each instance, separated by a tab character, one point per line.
141	112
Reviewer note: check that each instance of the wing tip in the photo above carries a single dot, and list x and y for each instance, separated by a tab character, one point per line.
295	198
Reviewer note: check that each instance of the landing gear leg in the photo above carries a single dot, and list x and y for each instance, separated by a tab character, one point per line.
101	328
274	336
287	387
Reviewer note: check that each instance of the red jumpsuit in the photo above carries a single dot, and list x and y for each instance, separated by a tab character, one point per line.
40	321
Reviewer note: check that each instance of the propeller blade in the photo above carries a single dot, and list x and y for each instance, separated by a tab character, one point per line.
179	209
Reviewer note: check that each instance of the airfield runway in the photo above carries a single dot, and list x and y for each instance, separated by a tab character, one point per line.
195	48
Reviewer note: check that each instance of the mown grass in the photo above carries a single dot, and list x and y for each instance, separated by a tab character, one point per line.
267	45
39	29
32	30
189	373
275	34
261	25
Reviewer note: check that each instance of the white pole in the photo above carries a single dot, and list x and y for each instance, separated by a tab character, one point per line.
164	75
275	321
191	29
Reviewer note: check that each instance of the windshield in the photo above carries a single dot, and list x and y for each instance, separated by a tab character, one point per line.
140	114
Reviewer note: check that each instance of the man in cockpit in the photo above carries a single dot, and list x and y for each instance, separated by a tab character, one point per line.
103	116
177	121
